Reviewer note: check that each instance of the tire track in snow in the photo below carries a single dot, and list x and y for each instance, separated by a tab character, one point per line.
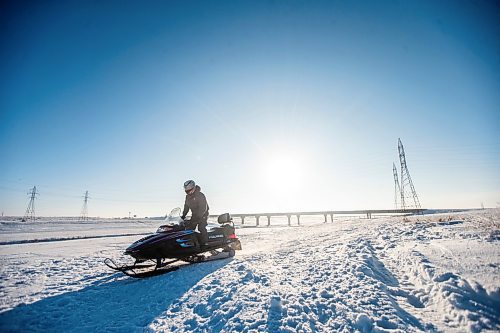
314	282
446	297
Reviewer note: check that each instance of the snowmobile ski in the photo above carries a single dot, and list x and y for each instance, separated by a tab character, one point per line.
139	270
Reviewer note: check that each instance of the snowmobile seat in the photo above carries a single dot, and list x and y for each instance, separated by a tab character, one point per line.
224	218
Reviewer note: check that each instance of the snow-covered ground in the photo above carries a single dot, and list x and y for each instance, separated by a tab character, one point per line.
17	232
389	274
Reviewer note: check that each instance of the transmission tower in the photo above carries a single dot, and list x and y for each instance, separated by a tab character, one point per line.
85	211
397	188
407	188
30	211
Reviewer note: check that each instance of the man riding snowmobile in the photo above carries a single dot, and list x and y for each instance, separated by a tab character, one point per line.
197	203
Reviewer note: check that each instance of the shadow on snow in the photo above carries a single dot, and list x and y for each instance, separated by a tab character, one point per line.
110	304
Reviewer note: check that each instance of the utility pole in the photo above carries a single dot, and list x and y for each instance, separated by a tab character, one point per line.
30	210
407	188
85	211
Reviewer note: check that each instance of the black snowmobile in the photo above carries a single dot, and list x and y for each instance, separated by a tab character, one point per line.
155	254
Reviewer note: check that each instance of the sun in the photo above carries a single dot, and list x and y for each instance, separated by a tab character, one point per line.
283	173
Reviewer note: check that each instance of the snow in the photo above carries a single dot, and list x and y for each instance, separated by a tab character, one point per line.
435	272
12	232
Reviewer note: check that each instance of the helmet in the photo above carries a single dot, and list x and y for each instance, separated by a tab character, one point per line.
189	185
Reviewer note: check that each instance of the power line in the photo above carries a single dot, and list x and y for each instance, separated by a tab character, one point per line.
29	215
407	188
84	216
397	188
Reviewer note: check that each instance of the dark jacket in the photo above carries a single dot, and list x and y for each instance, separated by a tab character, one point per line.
198	205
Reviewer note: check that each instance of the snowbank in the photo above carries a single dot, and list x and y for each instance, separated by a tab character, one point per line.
430	273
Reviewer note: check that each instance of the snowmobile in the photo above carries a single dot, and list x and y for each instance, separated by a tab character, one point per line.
156	254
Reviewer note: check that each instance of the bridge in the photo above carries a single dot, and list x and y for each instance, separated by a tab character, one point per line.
330	213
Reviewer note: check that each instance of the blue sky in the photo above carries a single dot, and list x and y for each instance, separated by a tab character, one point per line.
268	105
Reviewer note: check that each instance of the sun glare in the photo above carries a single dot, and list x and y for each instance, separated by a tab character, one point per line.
284	174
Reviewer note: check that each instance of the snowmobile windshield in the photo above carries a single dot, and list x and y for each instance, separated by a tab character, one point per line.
174	218
172	221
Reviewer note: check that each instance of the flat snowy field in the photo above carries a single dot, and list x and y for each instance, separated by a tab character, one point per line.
388	274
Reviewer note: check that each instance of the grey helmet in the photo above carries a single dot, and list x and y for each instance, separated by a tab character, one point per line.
189	185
